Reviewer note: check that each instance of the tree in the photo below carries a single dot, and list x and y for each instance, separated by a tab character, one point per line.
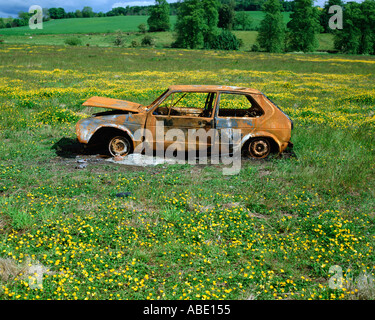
303	27
16	23
211	19
358	33
52	13
147	41
24	17
87	12
78	14
121	11
226	40
226	16
159	17
242	21
272	31
57	13
120	39
325	15
248	5
368	27
348	40
46	16
196	24
287	5
61	13
190	25
142	28
2	23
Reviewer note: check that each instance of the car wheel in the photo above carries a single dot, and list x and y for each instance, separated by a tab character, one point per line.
119	146
259	148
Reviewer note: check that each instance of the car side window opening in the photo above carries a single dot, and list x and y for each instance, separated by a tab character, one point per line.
156	100
238	105
189	104
163	108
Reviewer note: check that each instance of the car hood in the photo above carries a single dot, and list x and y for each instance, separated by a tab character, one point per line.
109	103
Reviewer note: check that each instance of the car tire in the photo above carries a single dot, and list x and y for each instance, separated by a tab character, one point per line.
119	146
259	148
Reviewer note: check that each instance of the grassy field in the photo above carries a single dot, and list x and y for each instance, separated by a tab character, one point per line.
83	25
161	39
106	25
186	231
102	32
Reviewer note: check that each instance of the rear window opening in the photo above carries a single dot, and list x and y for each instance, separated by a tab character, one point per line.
238	106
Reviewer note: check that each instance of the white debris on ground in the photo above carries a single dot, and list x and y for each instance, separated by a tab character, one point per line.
137	159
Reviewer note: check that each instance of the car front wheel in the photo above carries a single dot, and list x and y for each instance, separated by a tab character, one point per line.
119	146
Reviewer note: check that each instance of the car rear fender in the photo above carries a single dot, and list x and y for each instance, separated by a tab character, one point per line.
264	134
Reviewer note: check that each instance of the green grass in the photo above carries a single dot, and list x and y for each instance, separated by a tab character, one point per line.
83	25
104	25
271	232
162	39
101	32
102	40
257	16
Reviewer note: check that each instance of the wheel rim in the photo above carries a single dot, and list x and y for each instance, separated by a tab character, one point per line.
119	146
259	149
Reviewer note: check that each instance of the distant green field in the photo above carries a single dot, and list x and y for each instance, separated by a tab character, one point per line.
104	25
257	17
82	25
161	39
100	32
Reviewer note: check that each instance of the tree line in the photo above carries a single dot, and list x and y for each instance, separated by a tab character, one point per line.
356	35
208	24
87	12
241	22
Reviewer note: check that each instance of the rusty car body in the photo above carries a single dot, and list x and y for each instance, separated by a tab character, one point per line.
264	127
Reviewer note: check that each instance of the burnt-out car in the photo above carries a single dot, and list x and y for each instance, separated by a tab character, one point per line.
264	128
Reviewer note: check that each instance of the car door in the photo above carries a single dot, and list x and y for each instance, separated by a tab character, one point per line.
184	120
236	115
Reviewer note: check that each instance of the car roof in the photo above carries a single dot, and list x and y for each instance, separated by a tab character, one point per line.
209	88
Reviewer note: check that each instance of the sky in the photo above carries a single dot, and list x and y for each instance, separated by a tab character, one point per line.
12	7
